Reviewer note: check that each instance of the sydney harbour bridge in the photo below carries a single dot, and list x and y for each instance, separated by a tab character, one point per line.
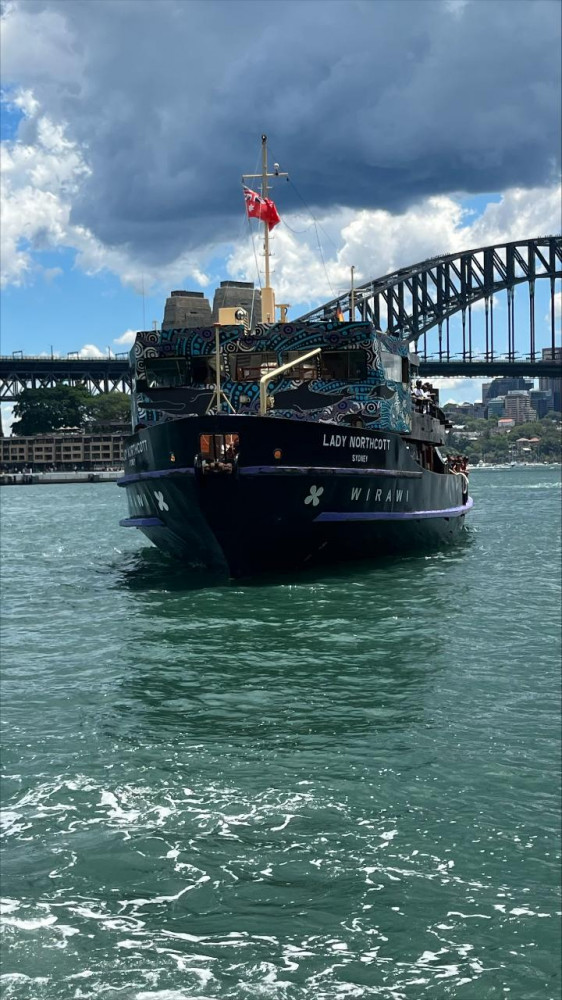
418	304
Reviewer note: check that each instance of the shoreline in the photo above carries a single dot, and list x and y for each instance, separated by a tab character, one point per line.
50	478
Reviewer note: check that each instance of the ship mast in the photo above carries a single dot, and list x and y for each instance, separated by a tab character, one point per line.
267	293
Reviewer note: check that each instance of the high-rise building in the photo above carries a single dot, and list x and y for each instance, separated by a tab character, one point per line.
541	401
518	406
503	385
552	385
495	407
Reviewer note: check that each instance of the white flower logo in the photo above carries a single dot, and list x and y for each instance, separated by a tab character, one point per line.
314	495
162	505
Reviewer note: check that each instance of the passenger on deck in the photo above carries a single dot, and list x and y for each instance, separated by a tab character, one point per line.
421	398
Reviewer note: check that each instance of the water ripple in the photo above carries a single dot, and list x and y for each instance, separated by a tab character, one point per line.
344	785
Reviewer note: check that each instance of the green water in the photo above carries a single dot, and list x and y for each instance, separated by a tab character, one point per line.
343	786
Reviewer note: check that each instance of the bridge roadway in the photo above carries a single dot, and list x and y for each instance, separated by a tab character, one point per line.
97	374
108	374
482	368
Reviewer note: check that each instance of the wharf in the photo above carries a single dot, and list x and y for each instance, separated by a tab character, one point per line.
48	478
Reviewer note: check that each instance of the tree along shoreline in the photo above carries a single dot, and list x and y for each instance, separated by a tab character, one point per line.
43	411
542	441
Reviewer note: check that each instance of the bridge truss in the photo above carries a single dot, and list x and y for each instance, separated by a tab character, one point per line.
413	300
96	374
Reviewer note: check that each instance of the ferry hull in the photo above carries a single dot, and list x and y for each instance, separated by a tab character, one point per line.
298	493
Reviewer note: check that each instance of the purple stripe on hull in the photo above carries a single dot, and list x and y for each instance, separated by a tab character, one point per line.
141	522
398	515
305	470
135	477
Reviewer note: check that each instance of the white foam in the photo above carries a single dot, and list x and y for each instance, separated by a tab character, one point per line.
285	823
31	925
8	905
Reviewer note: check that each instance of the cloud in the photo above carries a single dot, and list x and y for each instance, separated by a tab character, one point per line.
126	338
38	182
7	417
459	390
91	351
378	242
162	105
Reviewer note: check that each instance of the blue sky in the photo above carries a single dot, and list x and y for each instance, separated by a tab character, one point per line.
121	174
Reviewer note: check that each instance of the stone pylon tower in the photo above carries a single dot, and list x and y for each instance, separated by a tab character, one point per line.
236	294
186	310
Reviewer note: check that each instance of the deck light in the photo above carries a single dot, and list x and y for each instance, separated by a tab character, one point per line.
277	453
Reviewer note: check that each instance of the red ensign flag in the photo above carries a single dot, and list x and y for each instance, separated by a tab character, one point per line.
261	208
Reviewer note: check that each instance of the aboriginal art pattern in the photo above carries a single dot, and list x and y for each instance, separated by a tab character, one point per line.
373	401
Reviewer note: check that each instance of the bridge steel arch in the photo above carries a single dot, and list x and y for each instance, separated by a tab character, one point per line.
415	299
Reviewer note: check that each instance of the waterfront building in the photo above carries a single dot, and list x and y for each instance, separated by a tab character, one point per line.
526	447
518	406
63	451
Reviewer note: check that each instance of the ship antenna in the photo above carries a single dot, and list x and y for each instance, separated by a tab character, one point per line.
264	193
267	293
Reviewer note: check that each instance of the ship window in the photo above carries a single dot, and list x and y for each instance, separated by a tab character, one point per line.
392	364
251	367
306	370
348	366
161	373
201	370
218	447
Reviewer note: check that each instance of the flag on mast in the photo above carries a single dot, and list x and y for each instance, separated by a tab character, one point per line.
339	314
261	208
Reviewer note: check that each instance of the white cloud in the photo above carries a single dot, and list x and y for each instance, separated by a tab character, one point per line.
126	338
378	242
38	181
7	416
87	351
459	390
41	178
91	351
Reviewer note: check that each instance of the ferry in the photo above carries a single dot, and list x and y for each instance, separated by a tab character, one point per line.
261	444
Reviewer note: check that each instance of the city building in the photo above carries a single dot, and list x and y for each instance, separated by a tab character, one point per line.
63	451
501	386
541	401
552	385
527	446
518	406
505	424
495	407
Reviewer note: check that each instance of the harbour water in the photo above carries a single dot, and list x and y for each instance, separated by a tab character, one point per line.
343	786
